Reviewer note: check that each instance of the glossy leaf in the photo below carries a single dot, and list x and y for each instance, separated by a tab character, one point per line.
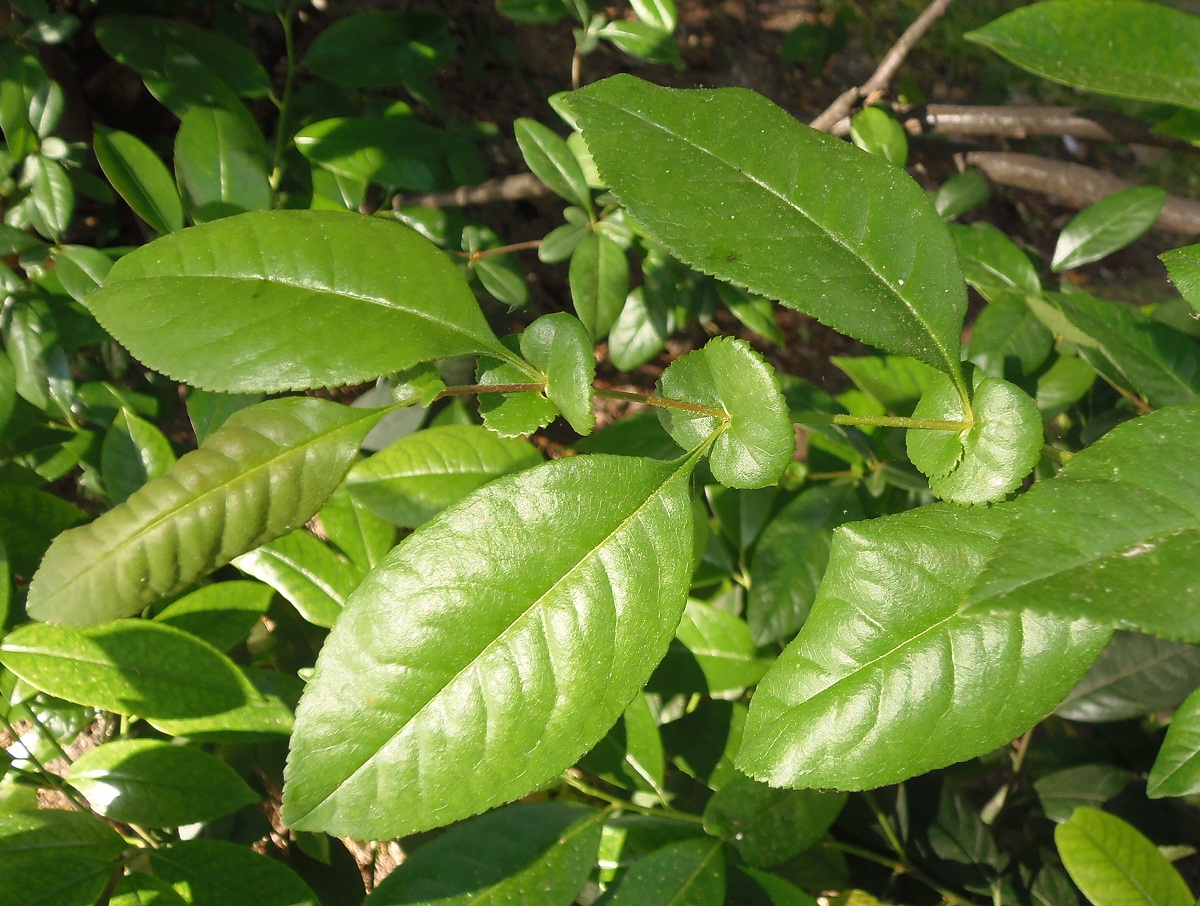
354	530
1135	676
221	163
1184	267
406	303
876	132
889	678
992	263
687	873
52	832
55	880
548	157
414	479
395	151
51	203
1100	45
1108	225
313	578
527	651
512	414
713	651
630	755
1113	537
133	452
140	178
960	193
768	826
265	472
221	614
214	873
377	49
156	784
1064	791
1008	341
558	345
807	243
757	440
1114	865
1176	771
641	330
599	277
529	853
985	462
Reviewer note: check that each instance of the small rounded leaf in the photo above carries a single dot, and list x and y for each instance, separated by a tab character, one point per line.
558	345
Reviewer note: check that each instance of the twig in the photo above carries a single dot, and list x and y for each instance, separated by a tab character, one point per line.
1022	122
1077	185
878	82
518	187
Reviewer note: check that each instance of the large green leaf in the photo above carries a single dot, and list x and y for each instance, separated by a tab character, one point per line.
889	679
768	826
1114	538
521	649
530	853
1101	46
1176	771
215	873
250	291
738	189
265	472
414	479
53	831
156	784
1115	865
221	163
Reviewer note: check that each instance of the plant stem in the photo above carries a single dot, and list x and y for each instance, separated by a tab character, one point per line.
662	402
475	389
501	250
881	421
289	43
903	866
615	802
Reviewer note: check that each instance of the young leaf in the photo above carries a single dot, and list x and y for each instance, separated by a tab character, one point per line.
599	277
875	131
884	681
727	375
538	852
644	41
140	178
512	414
559	346
755	312
215	873
1100	45
133	452
414	479
157	784
985	462
221	163
551	161
899	289
392	295
1008	341
312	577
1114	865
221	614
768	826
265	472
660	14
1184	267
1113	537
1176	771
548	640
690	873
1106	226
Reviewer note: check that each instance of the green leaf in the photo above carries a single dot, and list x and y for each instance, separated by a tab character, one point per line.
1008	341
1135	676
960	193
1176	771
140	178
377	49
80	269
221	163
630	755
889	678
145	890
398	299
551	161
501	277
529	853
985	462
312	577
157	784
876	132
704	743
757	440
53	832
1114	865
768	826
813	248
1184	267
221	614
29	520
55	880
642	328
8	390
354	530
414	479
599	278
394	151
1106	226
265	716
641	40
1100	45
715	645
558	345
129	666
51	196
687	873
1090	784
993	263
265	472
1113	537
551	638
511	414
896	382
214	873
660	14
1062	385
531	12
134	452
207	411
790	558
755	312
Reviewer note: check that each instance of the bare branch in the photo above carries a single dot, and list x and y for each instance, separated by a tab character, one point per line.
518	187
1022	122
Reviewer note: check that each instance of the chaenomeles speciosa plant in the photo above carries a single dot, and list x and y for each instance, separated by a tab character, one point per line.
545	628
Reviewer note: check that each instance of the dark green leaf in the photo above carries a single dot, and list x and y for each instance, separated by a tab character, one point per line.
551	161
414	479
221	614
399	299
875	131
630	755
134	452
1008	341
1100	45
551	638
809	243
1176	771
54	879
756	439
1135	676
156	784
266	715
558	345
1184	267
502	279
52	832
960	193
531	12
1090	784
214	873
265	472
312	577
530	853
599	277
221	163
1062	385
377	49
641	329
394	151
140	178
1108	225
688	873
768	826
992	263
704	743
29	520
755	312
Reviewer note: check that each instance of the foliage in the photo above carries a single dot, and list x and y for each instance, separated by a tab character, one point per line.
675	661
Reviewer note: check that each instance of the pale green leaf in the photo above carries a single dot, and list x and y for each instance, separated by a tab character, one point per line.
641	330
512	413
1007	340
354	530
960	193
49	832
504	654
1108	225
265	717
660	14
145	890
713	650
992	263
641	40
399	152
755	312
896	382
265	472
221	614
875	131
